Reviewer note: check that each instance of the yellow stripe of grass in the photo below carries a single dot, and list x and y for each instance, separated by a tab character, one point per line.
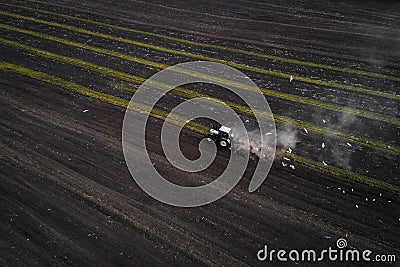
297	123
200	57
195	127
192	94
224	48
268	92
343	173
99	96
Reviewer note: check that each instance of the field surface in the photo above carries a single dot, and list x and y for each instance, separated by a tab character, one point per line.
329	70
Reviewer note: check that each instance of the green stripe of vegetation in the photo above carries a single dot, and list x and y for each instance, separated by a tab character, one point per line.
98	95
200	57
343	173
268	92
224	48
195	127
192	94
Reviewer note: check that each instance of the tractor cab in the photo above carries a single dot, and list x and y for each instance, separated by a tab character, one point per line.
221	137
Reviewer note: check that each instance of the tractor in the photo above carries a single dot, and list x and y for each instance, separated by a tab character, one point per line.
221	137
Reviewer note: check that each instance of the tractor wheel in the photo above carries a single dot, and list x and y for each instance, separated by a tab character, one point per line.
223	143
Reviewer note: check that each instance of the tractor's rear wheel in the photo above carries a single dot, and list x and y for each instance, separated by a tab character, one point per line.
223	143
